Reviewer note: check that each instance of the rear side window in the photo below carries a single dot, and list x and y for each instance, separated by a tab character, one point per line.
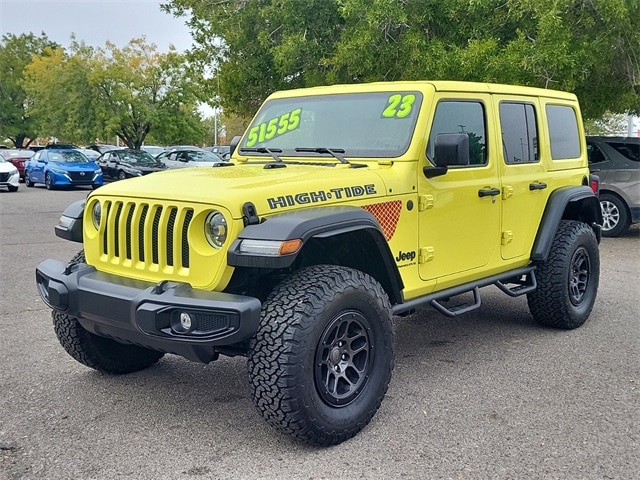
461	117
519	132
563	132
630	150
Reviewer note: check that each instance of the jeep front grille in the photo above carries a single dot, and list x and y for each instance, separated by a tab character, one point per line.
154	235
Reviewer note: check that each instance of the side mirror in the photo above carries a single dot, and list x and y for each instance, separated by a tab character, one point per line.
450	149
234	143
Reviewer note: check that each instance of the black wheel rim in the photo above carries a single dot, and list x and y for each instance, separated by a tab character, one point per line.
343	358
579	275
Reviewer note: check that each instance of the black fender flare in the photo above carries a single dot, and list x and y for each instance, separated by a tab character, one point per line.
586	207
70	225
317	223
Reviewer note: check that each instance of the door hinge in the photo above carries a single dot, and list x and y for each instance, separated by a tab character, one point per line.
507	237
426	254
507	191
425	202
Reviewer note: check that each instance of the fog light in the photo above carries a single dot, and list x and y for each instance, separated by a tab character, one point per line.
185	321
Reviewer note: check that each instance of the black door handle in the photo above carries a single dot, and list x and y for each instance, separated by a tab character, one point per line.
490	192
537	186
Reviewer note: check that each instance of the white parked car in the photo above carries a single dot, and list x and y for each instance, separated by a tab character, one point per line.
182	157
9	176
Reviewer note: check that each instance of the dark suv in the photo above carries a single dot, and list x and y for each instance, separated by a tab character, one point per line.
616	160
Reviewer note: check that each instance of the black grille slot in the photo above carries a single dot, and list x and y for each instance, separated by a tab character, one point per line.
170	227
185	238
80	176
128	231
154	236
105	239
4	177
143	216
116	232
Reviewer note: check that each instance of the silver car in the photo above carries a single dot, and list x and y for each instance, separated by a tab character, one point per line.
616	160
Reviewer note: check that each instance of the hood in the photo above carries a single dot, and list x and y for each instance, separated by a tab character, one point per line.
75	166
271	190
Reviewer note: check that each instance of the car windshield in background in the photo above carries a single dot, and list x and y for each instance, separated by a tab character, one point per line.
202	156
67	157
17	153
137	157
362	124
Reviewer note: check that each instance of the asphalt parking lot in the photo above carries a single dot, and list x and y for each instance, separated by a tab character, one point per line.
488	396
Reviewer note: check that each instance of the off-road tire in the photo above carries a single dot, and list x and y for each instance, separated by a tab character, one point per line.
98	352
568	279
615	218
27	180
322	358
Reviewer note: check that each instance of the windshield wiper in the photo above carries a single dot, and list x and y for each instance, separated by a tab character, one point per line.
334	152
271	151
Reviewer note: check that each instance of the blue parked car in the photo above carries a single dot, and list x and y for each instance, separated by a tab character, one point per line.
62	167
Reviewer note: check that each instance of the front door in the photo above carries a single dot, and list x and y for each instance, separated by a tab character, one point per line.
460	210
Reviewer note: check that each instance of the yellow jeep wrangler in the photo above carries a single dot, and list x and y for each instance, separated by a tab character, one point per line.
341	207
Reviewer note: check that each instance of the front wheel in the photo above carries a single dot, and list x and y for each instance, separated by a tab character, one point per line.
323	354
27	180
97	352
568	279
121	175
48	181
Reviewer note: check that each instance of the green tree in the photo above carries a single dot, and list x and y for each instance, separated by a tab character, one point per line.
253	48
61	96
248	49
87	94
137	89
15	53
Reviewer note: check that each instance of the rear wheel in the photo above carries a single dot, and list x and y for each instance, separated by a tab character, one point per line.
568	279
615	218
323	355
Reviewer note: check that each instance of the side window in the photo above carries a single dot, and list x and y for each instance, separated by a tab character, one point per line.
519	133
595	154
631	151
563	132
461	117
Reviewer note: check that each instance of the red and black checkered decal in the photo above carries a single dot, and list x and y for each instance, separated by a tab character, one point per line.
387	214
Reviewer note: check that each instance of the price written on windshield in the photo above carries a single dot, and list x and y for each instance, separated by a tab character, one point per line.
274	128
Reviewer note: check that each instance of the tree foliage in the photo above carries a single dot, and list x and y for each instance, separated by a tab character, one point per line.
254	47
15	53
86	94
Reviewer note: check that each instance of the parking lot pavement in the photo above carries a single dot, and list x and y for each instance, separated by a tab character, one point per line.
489	395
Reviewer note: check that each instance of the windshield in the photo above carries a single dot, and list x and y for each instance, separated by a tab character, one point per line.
67	157
138	157
362	124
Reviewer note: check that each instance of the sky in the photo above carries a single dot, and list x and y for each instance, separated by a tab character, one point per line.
95	22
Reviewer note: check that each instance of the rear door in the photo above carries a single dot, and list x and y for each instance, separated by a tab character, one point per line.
525	186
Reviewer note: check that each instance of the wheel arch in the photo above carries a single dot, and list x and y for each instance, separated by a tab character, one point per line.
568	203
346	236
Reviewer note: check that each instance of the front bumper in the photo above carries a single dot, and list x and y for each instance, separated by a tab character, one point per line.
141	313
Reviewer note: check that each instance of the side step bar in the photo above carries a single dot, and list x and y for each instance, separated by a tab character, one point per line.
514	283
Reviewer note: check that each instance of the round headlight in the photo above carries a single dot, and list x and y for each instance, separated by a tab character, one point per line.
215	229
96	214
